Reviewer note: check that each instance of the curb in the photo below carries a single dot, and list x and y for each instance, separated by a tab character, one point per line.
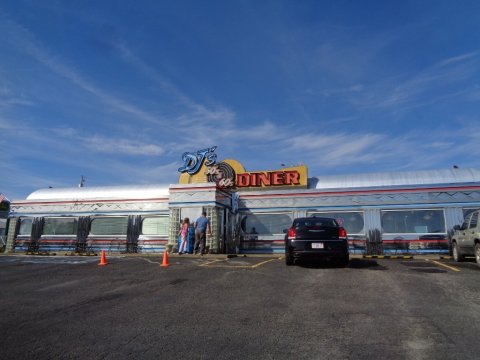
40	253
80	254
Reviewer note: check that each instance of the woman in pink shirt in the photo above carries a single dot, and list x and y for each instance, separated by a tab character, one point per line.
183	232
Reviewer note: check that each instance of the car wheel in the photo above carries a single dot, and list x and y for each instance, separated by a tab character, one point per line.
477	253
288	258
344	260
457	256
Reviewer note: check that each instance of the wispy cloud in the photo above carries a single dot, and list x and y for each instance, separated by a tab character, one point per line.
357	151
12	173
5	123
194	112
24	39
458	59
335	143
321	151
349	69
442	80
9	100
190	112
110	145
122	146
166	173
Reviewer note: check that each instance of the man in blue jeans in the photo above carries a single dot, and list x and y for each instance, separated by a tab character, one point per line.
202	225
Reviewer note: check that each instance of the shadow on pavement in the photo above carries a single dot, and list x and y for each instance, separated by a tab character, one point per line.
353	264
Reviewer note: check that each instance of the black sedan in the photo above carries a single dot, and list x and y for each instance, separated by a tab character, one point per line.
316	237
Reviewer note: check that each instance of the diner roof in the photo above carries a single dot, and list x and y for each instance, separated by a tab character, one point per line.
400	178
102	192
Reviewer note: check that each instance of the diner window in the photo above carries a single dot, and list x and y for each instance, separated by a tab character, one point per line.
351	221
25	226
155	225
266	224
109	225
60	226
413	221
5	206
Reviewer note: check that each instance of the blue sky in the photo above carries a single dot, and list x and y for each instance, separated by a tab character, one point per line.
117	91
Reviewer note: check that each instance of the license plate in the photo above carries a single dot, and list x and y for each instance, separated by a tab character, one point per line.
317	245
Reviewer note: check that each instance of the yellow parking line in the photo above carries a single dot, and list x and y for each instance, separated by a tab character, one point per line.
263	262
210	262
444	265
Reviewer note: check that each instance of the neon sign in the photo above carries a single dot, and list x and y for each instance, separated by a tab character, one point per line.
201	166
192	162
268	178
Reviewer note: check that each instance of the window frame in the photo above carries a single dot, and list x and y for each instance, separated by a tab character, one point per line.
442	211
145	217
289	214
20	226
90	234
63	218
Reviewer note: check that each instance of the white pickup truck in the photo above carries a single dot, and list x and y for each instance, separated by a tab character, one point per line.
466	238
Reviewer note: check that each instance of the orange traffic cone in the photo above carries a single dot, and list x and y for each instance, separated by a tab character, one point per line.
165	259
103	259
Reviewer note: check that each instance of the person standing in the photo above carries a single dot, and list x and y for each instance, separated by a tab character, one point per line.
202	226
183	233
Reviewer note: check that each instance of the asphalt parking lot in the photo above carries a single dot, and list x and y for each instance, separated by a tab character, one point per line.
213	307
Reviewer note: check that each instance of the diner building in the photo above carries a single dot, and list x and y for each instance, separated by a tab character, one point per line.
409	212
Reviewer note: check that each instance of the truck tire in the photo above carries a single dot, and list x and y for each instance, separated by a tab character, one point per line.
477	253
457	256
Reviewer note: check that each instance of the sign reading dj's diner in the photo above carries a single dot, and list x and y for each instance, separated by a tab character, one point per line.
202	166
